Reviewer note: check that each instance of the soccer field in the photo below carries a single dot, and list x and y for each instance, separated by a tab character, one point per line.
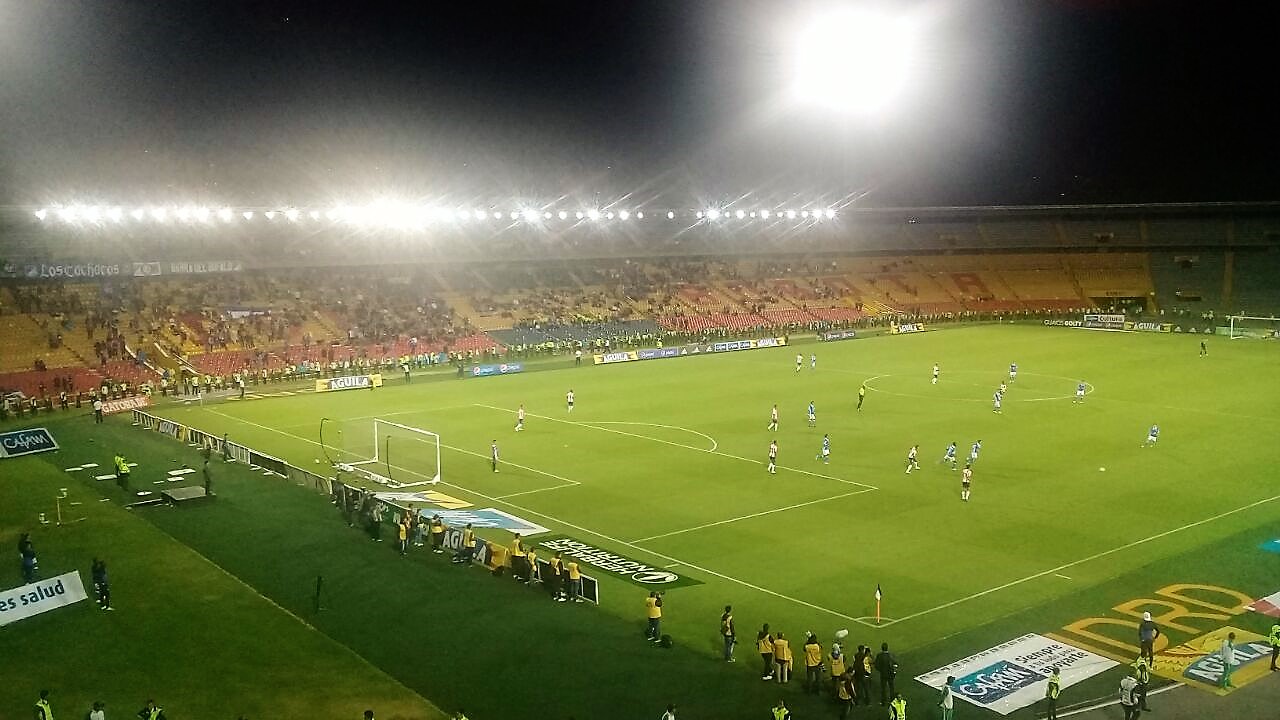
665	462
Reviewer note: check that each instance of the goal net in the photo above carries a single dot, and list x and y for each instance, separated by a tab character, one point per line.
1250	326
385	452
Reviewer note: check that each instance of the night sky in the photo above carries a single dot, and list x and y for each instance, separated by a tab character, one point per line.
1048	101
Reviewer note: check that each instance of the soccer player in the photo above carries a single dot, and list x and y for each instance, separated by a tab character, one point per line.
568	400
936	370
912	462
1204	349
813	361
1152	436
773	419
813	415
950	456
995	402
799	361
520	418
825	455
1003	388
773	457
862	395
1013	371
493	454
966	477
973	452
1079	398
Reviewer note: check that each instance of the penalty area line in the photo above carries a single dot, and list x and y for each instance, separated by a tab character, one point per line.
594	533
762	513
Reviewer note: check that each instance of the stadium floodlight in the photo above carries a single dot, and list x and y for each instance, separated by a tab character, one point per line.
291	214
315	214
42	213
740	214
672	216
764	214
608	215
247	214
546	215
791	214
159	214
92	213
67	214
271	214
713	214
138	213
202	214
481	215
186	212
579	215
115	214
855	60
624	215
594	214
699	214
562	215
640	215
804	213
333	214
514	215
831	214
225	215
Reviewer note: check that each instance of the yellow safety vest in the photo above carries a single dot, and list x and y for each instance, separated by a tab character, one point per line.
1143	669
1055	687
43	706
898	708
780	713
1275	636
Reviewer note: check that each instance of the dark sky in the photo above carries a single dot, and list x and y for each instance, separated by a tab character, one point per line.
1027	101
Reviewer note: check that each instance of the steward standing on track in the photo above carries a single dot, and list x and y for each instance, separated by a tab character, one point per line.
122	472
1052	692
728	633
764	644
575	581
519	559
887	667
862	675
898	707
812	665
42	710
1141	671
653	610
1147	634
1274	639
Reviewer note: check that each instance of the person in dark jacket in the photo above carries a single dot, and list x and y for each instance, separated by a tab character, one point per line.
887	668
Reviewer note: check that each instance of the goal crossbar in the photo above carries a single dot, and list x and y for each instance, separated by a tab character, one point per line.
383	433
1253	326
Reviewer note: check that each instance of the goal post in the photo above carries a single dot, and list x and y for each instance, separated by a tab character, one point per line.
388	453
1252	326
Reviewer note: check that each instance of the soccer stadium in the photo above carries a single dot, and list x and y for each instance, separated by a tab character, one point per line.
603	449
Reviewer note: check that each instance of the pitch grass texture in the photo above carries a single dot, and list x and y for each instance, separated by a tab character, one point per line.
668	460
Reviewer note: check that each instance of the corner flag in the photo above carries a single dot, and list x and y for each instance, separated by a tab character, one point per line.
878	596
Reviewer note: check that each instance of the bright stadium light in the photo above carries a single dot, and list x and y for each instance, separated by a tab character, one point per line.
804	213
699	214
608	215
831	214
624	215
42	213
92	213
579	215
671	215
202	214
514	215
159	214
115	214
594	214
855	60
315	214
640	215
764	214
713	214
562	215
546	215
185	212
481	215
224	214
247	214
740	214
291	214
791	214
67	214
271	214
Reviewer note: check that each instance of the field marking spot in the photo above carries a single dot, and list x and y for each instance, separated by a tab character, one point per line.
752	515
1009	397
594	533
682	445
1095	556
714	445
1064	577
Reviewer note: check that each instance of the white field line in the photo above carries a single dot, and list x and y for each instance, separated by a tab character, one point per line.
1095	556
384	415
571	483
752	515
687	447
588	531
714	445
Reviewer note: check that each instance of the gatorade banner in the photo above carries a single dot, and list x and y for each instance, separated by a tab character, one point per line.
41	596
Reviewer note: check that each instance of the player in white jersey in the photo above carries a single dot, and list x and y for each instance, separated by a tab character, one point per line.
773	457
568	400
1003	388
520	418
995	402
936	370
966	477
973	452
825	454
799	361
813	361
912	462
813	415
1013	371
773	419
950	456
1079	393
1152	436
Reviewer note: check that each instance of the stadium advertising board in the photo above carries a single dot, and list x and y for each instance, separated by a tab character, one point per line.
1269	605
1191	615
26	442
657	353
499	369
615	357
348	382
426	496
619	566
41	596
1014	674
683	350
486	518
830	335
72	270
1149	327
1059	322
1104	322
904	328
111	407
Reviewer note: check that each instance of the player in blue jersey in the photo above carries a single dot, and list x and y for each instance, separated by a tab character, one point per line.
825	455
1013	371
1079	398
1152	436
950	456
813	415
973	452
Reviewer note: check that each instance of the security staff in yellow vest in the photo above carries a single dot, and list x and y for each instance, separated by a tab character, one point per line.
780	711
1274	639
555	575
468	550
42	709
519	560
1141	671
653	611
764	645
898	708
122	471
575	581
152	711
835	661
1052	692
845	693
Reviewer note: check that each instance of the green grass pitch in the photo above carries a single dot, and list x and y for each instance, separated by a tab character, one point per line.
664	461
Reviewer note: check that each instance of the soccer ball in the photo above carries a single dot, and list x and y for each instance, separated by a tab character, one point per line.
842	634
1102	469
317	461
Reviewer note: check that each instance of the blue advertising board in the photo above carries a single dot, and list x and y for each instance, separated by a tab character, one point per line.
26	442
